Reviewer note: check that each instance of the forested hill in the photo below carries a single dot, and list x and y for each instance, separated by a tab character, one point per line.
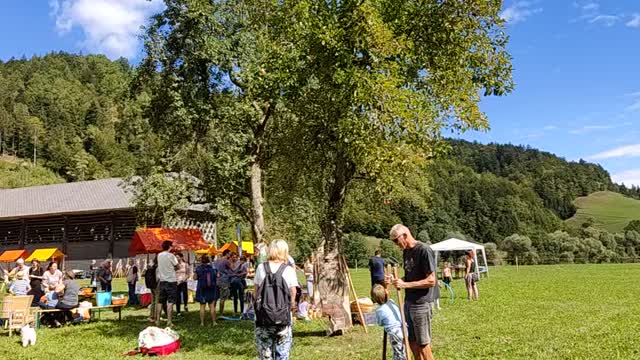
558	182
73	113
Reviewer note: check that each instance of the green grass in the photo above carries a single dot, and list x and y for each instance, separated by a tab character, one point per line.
538	312
611	211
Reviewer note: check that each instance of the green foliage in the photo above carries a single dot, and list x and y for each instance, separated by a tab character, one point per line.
158	198
72	114
634	225
423	236
390	250
16	173
356	250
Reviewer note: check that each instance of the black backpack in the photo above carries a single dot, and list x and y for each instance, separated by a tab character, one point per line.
273	301
150	280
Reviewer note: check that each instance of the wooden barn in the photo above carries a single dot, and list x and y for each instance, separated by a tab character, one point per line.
85	220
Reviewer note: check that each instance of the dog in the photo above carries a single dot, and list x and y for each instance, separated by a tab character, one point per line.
28	335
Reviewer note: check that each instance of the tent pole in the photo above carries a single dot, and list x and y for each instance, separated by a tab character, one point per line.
484	256
475	258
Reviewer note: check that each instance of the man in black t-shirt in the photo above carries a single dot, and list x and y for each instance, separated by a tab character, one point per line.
418	282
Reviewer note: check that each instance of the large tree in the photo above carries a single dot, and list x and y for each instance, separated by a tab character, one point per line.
385	79
220	73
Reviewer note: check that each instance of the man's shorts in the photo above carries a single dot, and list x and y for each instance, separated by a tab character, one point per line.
223	290
419	322
167	292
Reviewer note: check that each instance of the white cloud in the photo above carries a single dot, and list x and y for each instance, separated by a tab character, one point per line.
111	27
590	128
634	22
519	11
606	20
622	151
590	7
629	177
591	13
549	128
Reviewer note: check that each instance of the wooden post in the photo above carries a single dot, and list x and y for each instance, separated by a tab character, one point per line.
65	237
402	315
517	269
353	289
23	235
384	345
112	235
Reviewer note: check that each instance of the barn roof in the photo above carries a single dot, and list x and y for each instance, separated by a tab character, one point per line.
77	197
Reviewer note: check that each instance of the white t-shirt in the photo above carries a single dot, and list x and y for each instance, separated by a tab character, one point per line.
303	309
166	267
289	275
48	278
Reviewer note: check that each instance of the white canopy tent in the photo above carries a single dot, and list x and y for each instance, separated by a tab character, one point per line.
454	244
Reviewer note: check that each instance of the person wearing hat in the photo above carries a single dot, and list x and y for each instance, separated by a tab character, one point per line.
20	286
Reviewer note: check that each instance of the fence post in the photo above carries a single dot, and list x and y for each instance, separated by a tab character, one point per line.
517	268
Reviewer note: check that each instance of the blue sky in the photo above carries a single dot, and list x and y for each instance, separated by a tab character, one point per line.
575	67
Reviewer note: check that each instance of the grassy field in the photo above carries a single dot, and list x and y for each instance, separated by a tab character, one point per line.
537	312
610	210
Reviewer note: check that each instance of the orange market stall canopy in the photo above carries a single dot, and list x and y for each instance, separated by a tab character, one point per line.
13	255
247	247
149	240
45	254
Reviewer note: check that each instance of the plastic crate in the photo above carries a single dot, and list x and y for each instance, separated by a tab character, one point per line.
103	298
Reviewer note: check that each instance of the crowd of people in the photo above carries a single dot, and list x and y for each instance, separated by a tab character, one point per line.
277	295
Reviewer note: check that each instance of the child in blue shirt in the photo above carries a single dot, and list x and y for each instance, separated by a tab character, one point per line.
50	299
388	316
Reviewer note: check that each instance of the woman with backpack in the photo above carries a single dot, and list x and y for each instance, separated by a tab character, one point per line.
206	291
276	284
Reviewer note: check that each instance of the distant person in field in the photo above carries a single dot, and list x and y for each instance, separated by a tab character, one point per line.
376	268
105	276
167	281
224	281
446	273
470	275
419	281
206	291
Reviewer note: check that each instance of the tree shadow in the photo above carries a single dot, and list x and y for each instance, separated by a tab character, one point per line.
226	338
304	334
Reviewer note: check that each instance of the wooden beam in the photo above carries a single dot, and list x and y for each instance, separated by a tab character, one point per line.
65	236
23	231
112	235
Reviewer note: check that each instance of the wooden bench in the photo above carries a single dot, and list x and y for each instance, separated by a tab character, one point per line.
116	308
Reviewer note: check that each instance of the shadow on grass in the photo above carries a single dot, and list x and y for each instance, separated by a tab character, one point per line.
303	334
227	337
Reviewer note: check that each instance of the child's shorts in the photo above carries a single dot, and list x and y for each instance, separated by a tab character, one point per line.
397	344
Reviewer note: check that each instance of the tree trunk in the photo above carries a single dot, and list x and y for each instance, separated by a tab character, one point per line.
257	202
333	285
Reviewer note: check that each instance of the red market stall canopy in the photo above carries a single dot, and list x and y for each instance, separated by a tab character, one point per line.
12	255
45	254
149	241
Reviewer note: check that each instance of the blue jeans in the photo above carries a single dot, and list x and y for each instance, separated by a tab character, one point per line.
274	342
133	298
237	292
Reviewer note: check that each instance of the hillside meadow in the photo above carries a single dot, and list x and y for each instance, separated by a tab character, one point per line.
530	312
609	210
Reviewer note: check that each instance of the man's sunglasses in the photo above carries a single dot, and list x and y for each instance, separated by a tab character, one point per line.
395	240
